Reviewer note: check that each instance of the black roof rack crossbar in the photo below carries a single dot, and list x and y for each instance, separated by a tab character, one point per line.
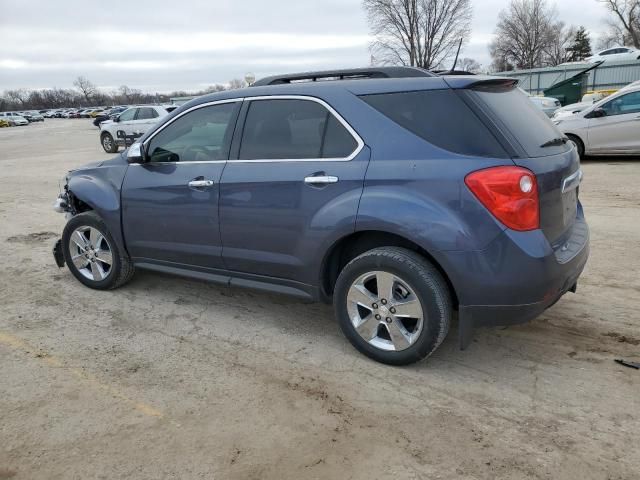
347	74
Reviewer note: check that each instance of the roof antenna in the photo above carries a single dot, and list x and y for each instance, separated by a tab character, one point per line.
455	62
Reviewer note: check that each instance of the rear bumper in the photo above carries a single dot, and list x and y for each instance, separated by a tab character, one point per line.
517	277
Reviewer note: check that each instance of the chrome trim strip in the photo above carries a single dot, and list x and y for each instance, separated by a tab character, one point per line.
572	181
195	107
354	134
175	163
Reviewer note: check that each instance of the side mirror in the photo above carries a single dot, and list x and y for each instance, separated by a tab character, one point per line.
597	113
116	118
135	154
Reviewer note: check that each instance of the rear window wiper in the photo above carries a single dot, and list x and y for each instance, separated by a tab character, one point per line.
555	142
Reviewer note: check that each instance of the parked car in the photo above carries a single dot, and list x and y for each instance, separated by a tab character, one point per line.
33	116
358	192
108	115
14	119
586	101
130	124
608	127
548	105
616	54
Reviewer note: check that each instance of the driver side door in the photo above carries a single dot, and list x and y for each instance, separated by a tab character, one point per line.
619	130
170	202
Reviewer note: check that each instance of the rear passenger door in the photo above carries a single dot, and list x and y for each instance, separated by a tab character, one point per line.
291	187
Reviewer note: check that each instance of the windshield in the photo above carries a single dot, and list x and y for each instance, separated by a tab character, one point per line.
526	123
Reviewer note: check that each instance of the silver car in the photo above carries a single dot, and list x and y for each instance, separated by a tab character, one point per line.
14	118
609	127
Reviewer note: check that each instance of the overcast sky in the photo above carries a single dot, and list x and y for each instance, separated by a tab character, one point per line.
159	45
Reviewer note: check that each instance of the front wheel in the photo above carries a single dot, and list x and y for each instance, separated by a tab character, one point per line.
108	143
92	255
393	305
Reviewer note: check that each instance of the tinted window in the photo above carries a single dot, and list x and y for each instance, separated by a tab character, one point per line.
441	118
528	125
128	114
293	129
201	135
147	113
338	142
629	103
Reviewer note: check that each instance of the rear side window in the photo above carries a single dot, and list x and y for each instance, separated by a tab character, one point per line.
441	118
528	125
146	113
293	129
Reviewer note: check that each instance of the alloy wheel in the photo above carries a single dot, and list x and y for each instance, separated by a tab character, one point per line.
107	142
91	253
385	311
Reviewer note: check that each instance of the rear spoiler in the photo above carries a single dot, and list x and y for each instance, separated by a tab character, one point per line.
487	84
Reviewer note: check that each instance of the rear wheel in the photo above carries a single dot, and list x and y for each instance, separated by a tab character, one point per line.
577	143
393	305
108	143
92	255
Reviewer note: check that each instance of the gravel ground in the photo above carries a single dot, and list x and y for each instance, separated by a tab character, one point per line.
173	378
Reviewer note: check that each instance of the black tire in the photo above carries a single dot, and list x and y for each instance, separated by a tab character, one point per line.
108	143
429	286
578	143
121	269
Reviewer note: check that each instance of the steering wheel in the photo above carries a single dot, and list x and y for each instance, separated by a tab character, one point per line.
191	152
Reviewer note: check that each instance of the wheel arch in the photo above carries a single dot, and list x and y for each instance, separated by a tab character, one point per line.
350	246
90	192
579	138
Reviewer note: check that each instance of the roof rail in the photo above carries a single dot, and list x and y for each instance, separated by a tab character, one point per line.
346	74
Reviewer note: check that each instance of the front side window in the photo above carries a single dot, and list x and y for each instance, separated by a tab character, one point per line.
293	129
201	135
128	114
146	113
629	103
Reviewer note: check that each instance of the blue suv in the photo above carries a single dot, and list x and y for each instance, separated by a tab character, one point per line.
400	196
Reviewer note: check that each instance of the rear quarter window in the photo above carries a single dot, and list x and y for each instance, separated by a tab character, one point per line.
441	118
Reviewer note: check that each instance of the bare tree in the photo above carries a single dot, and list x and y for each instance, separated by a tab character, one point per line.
236	83
420	33
468	65
558	48
625	24
129	95
85	86
18	97
524	32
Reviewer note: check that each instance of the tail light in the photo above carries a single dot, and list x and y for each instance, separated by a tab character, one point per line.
509	193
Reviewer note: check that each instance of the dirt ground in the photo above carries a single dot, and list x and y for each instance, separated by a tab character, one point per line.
172	378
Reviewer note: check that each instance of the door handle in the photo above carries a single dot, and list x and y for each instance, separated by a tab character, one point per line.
200	183
320	179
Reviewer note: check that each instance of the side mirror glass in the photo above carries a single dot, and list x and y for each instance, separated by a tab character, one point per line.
135	154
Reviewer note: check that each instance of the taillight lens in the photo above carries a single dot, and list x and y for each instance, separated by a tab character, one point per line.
510	194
